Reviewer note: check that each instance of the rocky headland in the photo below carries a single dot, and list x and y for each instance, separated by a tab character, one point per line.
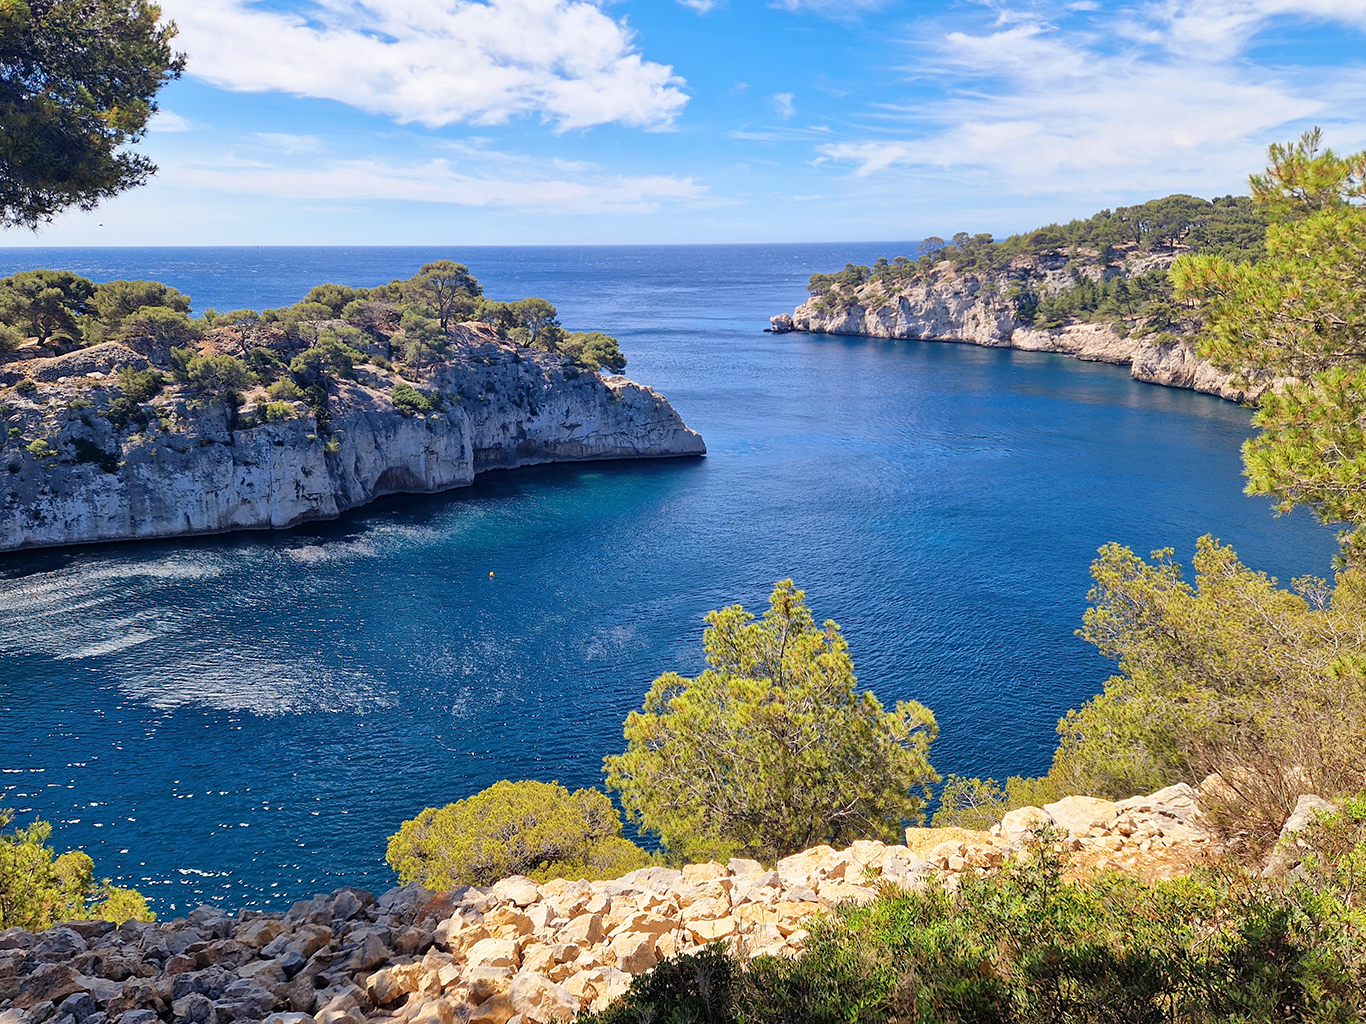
527	952
92	453
983	307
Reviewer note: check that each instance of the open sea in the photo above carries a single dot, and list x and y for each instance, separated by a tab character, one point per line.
246	719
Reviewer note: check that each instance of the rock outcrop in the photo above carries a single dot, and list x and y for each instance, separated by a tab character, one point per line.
72	473
519	949
977	309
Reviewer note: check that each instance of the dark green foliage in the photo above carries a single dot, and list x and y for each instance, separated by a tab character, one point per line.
410	401
164	325
334	296
77	82
447	287
115	300
224	377
136	387
699	988
592	350
45	304
89	451
328	356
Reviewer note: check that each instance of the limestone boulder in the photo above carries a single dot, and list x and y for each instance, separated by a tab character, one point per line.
1078	815
1289	848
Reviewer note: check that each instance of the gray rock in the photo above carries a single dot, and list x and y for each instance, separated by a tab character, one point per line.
292	962
1288	852
780	324
101	989
16	1016
345	906
245	998
58	943
42	1011
194	1009
17	938
138	1017
179	941
404	900
209	982
277	945
80	1006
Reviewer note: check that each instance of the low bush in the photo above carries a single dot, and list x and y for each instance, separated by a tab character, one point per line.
537	829
410	401
37	887
1027	947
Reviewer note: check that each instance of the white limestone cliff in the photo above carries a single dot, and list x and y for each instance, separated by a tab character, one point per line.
199	468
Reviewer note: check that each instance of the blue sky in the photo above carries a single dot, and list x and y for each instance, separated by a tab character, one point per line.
568	121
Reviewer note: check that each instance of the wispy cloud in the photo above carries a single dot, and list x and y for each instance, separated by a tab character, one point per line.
1158	95
165	121
702	6
782	103
436	62
839	9
475	177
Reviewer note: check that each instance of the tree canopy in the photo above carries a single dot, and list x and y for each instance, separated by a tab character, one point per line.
1299	314
78	80
772	749
37	887
538	829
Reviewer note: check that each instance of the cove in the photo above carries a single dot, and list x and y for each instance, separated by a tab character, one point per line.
245	719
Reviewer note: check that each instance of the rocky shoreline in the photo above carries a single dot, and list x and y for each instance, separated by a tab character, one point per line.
976	309
526	952
70	473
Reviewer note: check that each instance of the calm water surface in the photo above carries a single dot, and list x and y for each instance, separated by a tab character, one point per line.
245	719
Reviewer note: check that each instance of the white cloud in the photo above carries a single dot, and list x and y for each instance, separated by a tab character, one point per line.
1159	96
435	62
782	102
493	179
702	6
290	144
165	121
841	9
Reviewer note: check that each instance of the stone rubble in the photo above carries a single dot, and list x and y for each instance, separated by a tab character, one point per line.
521	951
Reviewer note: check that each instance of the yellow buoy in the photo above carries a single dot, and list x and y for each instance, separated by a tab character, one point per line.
490	575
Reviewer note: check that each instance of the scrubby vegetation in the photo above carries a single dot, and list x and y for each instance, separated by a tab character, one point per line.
1103	256
1026	946
37	887
536	829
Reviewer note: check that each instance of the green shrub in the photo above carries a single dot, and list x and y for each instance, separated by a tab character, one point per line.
328	356
279	412
225	377
284	390
37	887
592	350
40	449
410	401
162	324
514	828
773	749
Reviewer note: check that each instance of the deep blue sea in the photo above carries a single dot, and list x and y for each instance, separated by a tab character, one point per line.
245	719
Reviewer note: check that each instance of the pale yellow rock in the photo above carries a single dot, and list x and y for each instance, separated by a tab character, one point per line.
710	930
695	873
449	974
458	932
493	1010
647	923
433	1011
799	868
1077	815
740	866
518	890
634	954
584	930
485	982
494	953
541	1001
756	914
507	922
792	914
834	893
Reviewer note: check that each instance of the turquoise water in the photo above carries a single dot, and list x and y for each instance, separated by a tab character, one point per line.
247	718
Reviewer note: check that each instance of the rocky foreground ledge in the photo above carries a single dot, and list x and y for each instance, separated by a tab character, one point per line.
526	952
77	467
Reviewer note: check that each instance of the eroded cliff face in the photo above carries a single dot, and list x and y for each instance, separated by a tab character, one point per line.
69	475
977	310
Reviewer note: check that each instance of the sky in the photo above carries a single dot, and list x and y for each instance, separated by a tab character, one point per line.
413	122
